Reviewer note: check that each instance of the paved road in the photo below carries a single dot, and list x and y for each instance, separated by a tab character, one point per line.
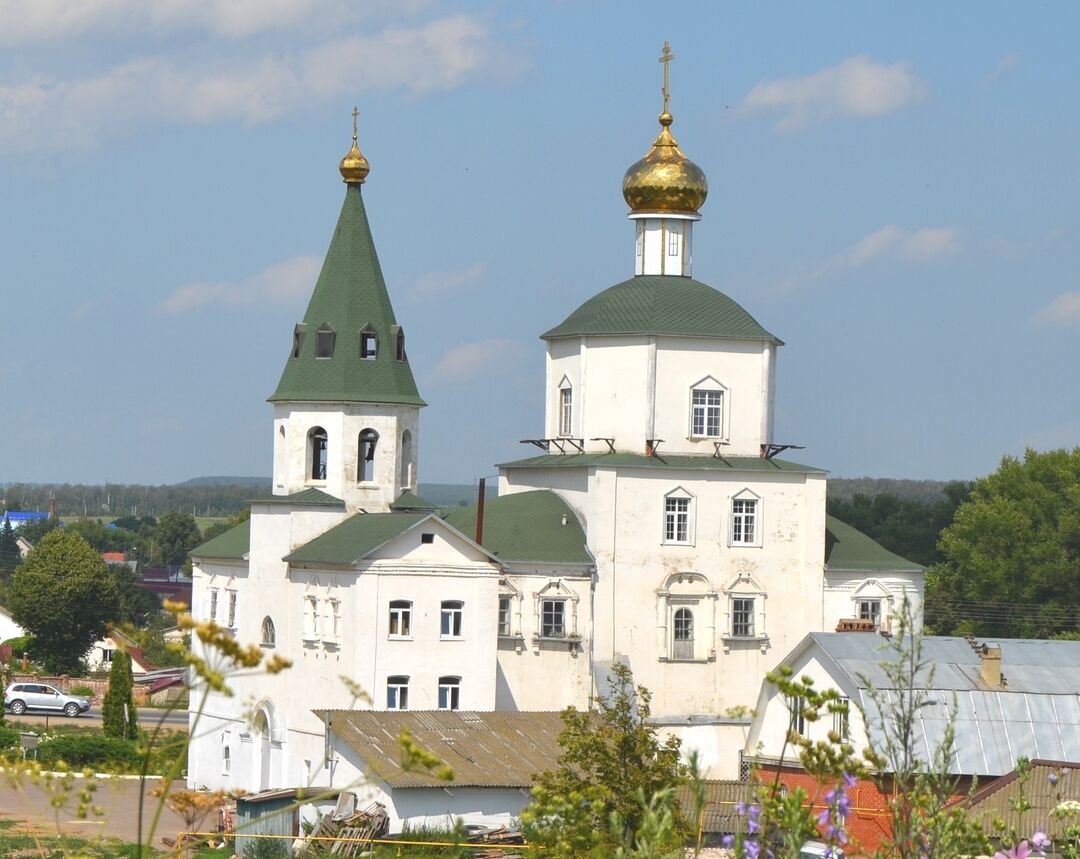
176	720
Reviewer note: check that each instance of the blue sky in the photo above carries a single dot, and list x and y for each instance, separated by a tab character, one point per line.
893	192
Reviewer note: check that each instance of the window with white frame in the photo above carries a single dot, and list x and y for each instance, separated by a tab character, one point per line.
504	616
213	604
870	610
450	617
744	521
232	610
797	715
397	692
742	617
553	618
400	619
841	719
226	755
682	626
449	693
676	519
333	619
311	618
673	235
566	409
707	413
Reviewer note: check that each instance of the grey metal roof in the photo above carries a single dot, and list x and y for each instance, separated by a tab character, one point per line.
1034	714
491	749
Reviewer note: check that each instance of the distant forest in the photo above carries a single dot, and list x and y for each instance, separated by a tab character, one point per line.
210	497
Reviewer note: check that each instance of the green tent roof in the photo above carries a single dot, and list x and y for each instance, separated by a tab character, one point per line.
409	501
849	549
527	526
355	538
304	498
637	460
350	295
649	304
230	545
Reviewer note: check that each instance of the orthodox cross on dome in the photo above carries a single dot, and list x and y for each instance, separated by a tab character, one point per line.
666	57
355	116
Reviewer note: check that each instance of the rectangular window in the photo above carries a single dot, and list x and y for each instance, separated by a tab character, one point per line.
553	618
368	344
397	693
797	722
742	617
566	411
672	242
449	693
311	618
400	619
870	610
504	616
676	520
744	521
450	619
706	414
841	720
213	605
232	610
334	620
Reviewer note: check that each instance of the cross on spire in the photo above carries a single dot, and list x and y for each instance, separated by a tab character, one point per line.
666	57
355	116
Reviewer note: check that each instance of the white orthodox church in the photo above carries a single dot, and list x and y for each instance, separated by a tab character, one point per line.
658	525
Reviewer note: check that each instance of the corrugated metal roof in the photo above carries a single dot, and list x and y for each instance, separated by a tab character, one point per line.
722	798
1035	714
492	749
998	798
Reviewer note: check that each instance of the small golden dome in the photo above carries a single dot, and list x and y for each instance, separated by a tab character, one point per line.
354	166
665	180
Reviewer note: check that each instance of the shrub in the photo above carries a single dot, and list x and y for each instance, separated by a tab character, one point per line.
82	691
91	750
9	739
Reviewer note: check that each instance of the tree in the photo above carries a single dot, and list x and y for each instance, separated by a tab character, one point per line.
63	595
175	535
115	721
9	550
136	605
1012	554
612	759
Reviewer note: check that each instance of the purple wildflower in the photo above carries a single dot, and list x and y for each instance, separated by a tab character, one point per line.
727	841
1020	851
1040	840
1052	778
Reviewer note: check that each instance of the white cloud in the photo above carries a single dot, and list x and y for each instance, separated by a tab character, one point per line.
1062	312
858	87
438	283
1004	66
30	21
470	360
282	282
890	242
49	112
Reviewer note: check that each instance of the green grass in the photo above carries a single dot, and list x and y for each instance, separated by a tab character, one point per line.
60	846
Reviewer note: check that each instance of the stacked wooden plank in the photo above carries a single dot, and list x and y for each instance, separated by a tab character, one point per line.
351	835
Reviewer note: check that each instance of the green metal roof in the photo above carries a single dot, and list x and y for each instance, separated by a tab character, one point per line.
410	501
230	545
636	460
349	295
355	538
649	304
849	549
527	526
305	497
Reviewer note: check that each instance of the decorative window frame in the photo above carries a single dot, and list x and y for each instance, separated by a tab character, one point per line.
310	626
686	590
508	591
556	589
213	603
331	628
691	514
872	589
745	586
709	383
565	408
231	605
759	519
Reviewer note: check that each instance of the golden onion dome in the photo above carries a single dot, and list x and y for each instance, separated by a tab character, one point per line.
665	180
354	166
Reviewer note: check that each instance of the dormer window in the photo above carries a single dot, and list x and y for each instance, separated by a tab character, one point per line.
399	349
324	342
298	339
369	344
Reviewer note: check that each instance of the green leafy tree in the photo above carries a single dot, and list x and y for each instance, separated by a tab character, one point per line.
175	535
136	605
611	766
9	550
115	720
33	530
1012	554
63	595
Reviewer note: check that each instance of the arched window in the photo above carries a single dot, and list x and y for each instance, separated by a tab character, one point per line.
324	342
269	634
365	455
317	446
449	693
406	460
397	692
683	634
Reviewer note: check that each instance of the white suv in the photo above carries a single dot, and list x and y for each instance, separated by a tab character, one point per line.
20	697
